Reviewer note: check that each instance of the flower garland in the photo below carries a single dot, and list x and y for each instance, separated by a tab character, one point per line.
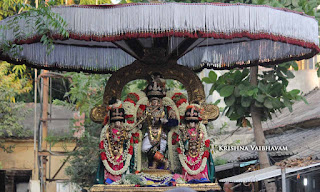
181	151
118	172
168	102
204	147
193	172
124	154
109	156
171	149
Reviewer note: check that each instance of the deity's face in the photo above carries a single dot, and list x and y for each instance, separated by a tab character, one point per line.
192	124
155	102
118	124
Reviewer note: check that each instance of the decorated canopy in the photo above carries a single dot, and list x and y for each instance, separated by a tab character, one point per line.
104	38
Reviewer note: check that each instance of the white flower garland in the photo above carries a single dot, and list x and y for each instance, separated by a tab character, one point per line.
184	160
171	157
193	172
118	172
128	107
182	108
169	102
108	155
141	94
138	157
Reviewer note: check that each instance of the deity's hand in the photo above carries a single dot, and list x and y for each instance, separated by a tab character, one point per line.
164	120
182	128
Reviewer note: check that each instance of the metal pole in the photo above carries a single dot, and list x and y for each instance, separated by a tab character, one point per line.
34	175
45	91
283	178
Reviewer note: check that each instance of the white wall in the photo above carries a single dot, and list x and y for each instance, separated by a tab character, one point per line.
305	80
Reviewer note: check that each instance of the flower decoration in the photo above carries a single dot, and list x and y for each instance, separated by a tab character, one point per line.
101	145
130	119
135	137
175	138
130	150
103	156
207	143
205	154
179	150
179	98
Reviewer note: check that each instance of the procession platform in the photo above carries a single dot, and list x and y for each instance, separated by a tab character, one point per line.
127	188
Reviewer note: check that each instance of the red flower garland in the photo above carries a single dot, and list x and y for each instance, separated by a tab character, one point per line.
205	154
130	150
103	156
179	150
101	145
175	138
207	143
131	140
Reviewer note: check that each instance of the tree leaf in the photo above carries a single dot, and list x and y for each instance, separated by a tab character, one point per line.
230	111
294	65
295	3
276	103
229	100
240	110
207	80
260	98
258	104
237	77
226	91
268	103
213	76
236	91
246	101
211	90
294	92
289	74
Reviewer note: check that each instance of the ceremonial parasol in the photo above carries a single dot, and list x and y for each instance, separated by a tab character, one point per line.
105	38
154	36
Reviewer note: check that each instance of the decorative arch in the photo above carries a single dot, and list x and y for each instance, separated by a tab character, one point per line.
140	70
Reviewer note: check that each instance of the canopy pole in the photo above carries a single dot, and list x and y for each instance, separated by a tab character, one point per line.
34	175
283	178
45	90
258	131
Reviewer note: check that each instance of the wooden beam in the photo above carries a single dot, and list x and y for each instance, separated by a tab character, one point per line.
161	42
181	49
135	46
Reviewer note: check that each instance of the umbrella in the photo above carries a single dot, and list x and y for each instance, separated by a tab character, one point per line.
105	38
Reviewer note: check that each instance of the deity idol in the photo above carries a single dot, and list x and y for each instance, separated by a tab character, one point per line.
194	149
115	143
160	119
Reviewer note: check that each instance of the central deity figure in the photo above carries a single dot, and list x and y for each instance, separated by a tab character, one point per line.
159	119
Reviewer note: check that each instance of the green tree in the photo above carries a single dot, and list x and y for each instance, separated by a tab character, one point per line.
13	82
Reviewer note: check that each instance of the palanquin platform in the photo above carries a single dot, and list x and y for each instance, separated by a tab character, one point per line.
126	188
